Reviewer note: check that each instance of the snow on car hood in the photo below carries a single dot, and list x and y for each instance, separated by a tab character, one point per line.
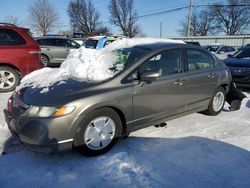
85	64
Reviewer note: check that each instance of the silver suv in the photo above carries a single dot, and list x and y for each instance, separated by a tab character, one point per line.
55	49
159	82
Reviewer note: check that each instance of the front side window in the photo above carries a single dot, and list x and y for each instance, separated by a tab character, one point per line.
10	37
165	63
198	59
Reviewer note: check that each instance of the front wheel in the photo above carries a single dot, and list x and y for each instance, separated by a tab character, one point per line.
217	102
98	132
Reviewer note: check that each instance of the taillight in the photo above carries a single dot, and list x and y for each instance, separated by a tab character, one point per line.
10	105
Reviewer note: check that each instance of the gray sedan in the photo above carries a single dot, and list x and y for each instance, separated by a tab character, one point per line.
159	82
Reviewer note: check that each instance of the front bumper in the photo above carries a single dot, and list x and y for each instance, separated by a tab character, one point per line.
44	135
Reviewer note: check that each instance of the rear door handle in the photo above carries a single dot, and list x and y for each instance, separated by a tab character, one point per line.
211	75
179	82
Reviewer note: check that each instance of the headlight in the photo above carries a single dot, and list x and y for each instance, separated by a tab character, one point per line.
42	111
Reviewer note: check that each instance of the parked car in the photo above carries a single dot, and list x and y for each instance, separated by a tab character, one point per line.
160	81
239	64
193	43
19	55
220	51
98	42
55	49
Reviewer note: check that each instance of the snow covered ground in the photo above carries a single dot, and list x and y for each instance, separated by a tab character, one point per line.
193	151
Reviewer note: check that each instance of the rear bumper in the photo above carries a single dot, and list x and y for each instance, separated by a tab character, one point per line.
242	80
35	134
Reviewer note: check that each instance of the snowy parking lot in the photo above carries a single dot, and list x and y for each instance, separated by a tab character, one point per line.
192	151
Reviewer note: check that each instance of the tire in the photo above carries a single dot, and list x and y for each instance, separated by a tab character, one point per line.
9	79
90	135
219	97
45	60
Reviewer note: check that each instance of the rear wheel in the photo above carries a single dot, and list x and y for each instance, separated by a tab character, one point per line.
98	132
217	102
45	60
9	79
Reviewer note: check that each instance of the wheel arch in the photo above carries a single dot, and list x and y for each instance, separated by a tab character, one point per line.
11	66
122	117
225	86
116	109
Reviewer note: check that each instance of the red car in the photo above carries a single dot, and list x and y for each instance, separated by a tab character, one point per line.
19	55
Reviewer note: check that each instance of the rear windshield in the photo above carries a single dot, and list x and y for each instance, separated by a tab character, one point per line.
212	48
10	37
90	43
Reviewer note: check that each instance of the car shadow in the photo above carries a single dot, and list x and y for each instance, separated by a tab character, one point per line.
134	162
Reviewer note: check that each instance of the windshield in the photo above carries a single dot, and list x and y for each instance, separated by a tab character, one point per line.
90	43
127	56
243	53
212	48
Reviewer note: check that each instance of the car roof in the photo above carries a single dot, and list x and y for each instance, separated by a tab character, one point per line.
162	45
52	37
12	27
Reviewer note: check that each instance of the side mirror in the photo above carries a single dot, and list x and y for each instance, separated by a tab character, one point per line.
149	75
221	52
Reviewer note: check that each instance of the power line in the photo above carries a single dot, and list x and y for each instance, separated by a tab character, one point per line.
162	12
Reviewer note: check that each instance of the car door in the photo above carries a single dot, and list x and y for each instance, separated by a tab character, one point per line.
55	49
69	45
164	96
202	77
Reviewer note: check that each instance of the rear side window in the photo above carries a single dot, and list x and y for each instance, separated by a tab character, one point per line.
89	43
198	59
50	42
40	41
10	37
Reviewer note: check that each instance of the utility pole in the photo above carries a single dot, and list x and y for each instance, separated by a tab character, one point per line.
161	29
190	17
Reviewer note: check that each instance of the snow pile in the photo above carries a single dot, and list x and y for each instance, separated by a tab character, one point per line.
86	64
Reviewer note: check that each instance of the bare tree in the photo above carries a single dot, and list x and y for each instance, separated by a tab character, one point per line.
13	20
84	17
123	15
43	16
233	19
203	23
